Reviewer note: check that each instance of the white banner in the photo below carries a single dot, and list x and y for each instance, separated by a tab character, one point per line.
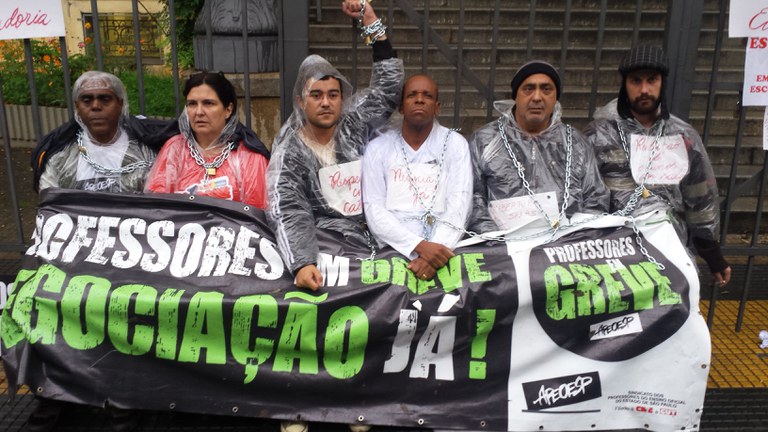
27	19
748	18
756	72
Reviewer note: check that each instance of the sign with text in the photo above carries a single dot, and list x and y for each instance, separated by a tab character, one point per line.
168	301
669	164
25	19
748	18
756	72
342	188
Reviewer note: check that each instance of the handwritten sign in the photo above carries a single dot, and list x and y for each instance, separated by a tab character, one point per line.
748	18
670	164
401	194
756	72
517	212
340	185
26	19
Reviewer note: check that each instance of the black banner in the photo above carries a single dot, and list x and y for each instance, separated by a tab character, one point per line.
175	302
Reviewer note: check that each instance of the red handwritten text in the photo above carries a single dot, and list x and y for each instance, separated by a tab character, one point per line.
760	20
19	19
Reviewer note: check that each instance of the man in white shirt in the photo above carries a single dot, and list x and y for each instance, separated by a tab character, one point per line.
417	182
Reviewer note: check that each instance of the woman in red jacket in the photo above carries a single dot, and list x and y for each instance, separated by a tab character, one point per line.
213	155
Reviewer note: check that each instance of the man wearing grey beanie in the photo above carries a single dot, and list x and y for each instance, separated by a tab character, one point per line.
530	168
652	160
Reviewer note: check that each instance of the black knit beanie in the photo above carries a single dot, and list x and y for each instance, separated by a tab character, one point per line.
535	67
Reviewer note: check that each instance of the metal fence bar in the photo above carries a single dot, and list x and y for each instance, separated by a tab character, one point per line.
638	15
489	94
722	7
566	34
97	35
598	58
246	66
459	61
531	25
65	76
33	90
174	55
19	246
425	38
137	53
209	36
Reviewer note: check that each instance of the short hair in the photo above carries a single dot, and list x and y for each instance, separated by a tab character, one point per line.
218	82
97	80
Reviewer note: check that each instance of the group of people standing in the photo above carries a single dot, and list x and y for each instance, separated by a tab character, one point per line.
423	186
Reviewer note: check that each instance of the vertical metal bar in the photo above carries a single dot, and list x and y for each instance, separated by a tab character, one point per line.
293	46
490	97
354	56
9	166
705	138
566	31
209	36
636	28
67	79
319	10
137	53
390	18
97	35
459	62
754	243
246	66
713	74
33	90
598	58
531	25
425	38
683	29
174	56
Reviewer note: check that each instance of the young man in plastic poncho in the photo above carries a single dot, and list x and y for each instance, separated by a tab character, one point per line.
531	170
417	182
651	160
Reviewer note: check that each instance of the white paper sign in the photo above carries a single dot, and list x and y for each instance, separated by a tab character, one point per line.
669	165
756	72
402	196
31	19
517	212
765	129
340	185
748	18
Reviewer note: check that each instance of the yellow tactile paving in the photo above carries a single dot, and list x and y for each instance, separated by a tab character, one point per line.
737	359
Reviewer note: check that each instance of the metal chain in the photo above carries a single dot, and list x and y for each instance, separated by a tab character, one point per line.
215	163
520	172
638	192
428	218
101	169
369	241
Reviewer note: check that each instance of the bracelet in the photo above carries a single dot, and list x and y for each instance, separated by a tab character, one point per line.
374	31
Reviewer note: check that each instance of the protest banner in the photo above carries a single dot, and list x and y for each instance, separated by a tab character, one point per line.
183	303
26	20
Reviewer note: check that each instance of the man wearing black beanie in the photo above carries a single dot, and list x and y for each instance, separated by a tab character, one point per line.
529	162
652	160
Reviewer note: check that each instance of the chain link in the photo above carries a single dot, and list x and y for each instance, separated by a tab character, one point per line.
215	163
101	169
428	218
556	224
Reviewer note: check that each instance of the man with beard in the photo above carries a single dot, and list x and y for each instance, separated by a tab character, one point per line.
531	170
652	160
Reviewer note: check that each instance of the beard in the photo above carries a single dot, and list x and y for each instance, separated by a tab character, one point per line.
640	108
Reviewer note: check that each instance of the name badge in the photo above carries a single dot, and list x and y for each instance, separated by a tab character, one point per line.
670	164
517	212
340	185
401	194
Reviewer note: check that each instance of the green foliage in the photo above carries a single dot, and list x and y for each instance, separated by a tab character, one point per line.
158	90
186	13
49	77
